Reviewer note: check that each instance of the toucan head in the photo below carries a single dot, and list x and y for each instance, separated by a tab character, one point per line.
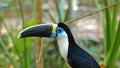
44	30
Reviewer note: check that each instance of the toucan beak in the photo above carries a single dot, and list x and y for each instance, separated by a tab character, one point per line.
43	30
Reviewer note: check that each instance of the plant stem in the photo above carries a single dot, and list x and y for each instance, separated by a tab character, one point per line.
58	10
112	56
13	41
24	40
114	19
38	47
95	11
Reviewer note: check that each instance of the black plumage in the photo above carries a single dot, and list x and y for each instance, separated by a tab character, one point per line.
77	57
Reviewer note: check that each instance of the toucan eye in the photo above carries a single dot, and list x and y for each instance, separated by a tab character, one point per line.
60	30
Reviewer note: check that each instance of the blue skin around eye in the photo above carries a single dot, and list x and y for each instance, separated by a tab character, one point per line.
61	30
53	35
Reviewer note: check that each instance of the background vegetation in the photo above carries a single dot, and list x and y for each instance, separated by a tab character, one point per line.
90	32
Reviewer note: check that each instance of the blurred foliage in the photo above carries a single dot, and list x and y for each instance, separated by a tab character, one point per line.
111	30
12	50
62	14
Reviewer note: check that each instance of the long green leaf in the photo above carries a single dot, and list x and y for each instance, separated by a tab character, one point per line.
102	19
108	27
62	12
24	40
14	43
58	10
52	18
111	34
69	11
114	19
114	49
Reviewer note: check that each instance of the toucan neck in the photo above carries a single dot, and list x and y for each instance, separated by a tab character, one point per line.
70	37
69	34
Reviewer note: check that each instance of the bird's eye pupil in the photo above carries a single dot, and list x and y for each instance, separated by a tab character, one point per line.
59	30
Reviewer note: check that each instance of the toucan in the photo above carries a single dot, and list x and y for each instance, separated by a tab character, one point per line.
69	50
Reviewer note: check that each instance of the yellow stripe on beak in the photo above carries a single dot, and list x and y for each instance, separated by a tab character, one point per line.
54	27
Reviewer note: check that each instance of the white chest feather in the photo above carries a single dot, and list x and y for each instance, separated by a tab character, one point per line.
63	45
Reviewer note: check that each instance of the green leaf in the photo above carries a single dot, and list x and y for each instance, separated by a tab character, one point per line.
111	29
114	18
58	10
52	18
108	27
31	22
119	53
62	12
